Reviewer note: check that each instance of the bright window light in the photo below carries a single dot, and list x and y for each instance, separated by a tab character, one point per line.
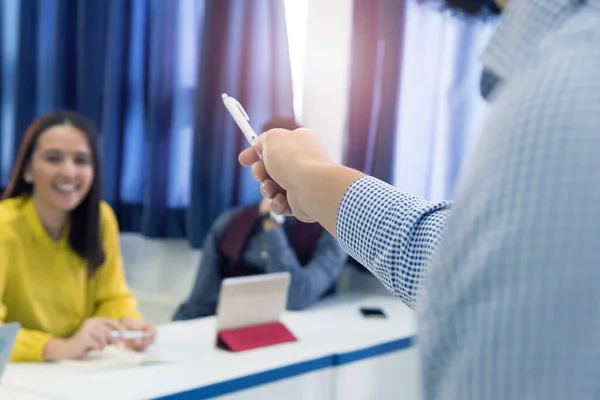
296	12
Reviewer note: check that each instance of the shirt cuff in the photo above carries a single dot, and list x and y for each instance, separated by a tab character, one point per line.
365	203
30	346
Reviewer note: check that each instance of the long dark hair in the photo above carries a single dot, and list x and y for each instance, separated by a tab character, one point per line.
84	236
281	123
484	10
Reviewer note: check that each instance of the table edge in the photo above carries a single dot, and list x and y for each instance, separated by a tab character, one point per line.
288	371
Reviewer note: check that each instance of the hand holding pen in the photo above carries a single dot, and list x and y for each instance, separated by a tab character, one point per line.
280	160
135	334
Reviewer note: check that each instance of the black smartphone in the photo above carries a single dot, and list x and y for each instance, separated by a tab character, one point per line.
372	312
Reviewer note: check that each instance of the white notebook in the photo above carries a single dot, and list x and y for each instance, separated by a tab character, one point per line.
111	357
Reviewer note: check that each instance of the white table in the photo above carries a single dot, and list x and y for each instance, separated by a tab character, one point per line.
11	393
374	358
337	350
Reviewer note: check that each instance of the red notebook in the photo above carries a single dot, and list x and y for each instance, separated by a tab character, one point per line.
253	337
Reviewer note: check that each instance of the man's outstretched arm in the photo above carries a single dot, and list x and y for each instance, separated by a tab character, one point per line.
391	233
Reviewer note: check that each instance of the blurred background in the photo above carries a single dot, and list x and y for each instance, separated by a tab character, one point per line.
390	87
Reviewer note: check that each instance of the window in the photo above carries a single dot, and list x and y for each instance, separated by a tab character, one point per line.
296	13
440	108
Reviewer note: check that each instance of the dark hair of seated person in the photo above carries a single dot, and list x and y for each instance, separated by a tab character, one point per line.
281	123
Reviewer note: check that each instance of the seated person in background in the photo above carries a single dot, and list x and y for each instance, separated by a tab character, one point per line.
250	241
61	272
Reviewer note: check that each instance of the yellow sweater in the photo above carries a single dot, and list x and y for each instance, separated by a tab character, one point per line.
44	284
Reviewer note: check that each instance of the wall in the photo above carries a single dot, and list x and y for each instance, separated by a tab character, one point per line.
326	73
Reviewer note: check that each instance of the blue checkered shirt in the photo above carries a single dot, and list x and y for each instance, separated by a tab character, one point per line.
506	279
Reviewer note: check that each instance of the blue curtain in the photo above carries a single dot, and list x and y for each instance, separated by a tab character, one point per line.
377	39
243	53
149	73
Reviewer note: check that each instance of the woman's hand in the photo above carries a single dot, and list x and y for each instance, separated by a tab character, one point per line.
93	335
130	324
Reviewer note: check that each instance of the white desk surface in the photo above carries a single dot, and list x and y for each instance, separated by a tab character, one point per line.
332	327
339	323
11	393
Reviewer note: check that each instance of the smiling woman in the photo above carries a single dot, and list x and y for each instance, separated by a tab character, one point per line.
66	172
61	273
56	164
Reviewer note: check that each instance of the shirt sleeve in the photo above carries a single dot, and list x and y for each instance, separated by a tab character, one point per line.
311	281
29	345
391	233
113	297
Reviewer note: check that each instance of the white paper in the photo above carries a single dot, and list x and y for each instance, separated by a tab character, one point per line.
111	357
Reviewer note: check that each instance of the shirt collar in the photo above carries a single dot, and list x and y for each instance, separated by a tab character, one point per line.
38	230
521	26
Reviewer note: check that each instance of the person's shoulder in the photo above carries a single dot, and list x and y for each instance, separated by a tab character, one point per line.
329	239
566	66
9	210
571	61
108	219
227	215
559	91
106	211
222	222
10	215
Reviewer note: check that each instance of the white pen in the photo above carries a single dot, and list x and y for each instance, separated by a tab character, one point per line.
280	219
240	117
128	335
